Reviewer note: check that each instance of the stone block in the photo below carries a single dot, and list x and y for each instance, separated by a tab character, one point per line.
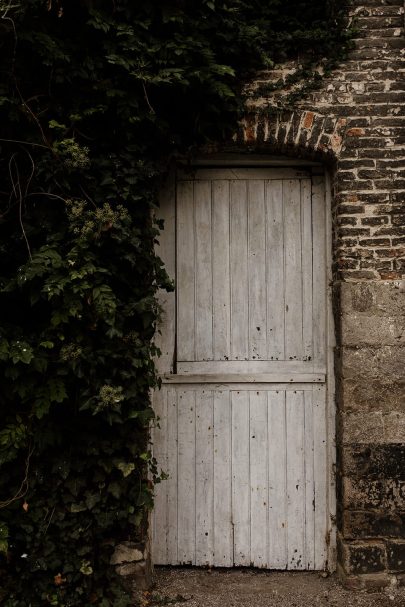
372	427
396	555
365	581
374	461
363	493
364	557
373	525
373	494
361	393
394	490
127	552
379	363
127	569
372	330
365	427
382	298
394	426
138	575
371	582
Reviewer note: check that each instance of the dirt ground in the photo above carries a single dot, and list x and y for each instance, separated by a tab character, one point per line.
252	588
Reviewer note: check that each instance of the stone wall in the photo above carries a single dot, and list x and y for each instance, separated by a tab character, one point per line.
371	423
355	123
132	561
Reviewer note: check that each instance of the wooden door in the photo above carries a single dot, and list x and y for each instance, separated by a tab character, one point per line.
243	422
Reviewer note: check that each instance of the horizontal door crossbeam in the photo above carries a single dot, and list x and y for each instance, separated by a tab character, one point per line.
236	378
250	367
241	173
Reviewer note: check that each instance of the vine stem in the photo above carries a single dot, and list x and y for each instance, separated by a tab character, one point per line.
46	194
37	145
19	197
24	484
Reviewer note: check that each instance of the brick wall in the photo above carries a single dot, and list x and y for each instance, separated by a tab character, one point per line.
355	123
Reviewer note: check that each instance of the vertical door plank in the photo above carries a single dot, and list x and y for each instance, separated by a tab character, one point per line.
203	270
275	269
319	392
159	438
165	338
293	270
172	470
220	270
258	478
277	432
222	472
185	276
319	268
186	477
204	478
309	481
257	271
240	477
306	230
320	474
239	271
295	480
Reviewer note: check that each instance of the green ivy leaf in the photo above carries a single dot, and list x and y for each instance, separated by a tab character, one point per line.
86	568
47	344
20	351
74	508
115	489
126	468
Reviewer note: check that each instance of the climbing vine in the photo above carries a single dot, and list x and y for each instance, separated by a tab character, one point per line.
97	99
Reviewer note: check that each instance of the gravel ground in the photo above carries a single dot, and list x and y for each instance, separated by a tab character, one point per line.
252	588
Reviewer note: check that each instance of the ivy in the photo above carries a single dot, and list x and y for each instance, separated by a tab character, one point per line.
97	98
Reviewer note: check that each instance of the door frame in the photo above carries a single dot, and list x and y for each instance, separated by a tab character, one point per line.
165	338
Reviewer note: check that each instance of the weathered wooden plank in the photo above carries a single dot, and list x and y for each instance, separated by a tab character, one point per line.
245	386
309	482
306	255
292	269
330	402
277	432
186	478
257	271
221	159
165	338
249	366
172	471
222	472
220	270
320	475
319	269
204	435
239	271
295	480
275	270
185	275
159	439
203	271
258	479
240	478
243	173
243	377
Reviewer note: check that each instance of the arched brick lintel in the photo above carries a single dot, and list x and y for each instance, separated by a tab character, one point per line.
298	133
